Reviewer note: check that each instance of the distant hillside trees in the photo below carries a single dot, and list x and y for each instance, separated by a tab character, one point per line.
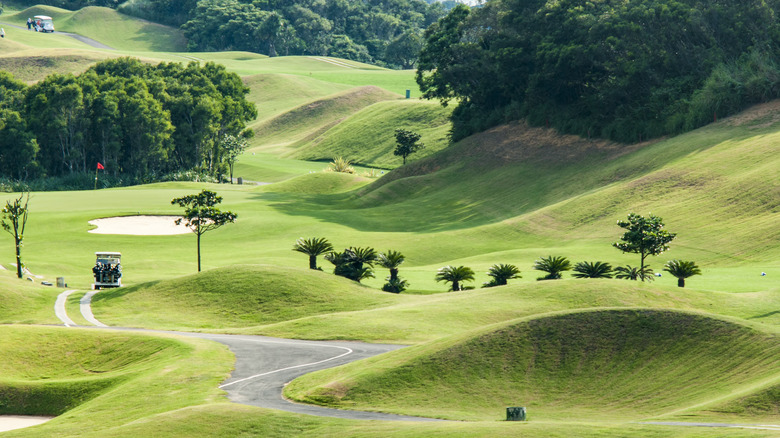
626	71
140	121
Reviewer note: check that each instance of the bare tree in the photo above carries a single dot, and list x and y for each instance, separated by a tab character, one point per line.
13	221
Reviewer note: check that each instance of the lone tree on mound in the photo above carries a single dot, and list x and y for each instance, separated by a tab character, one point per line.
644	236
14	220
455	275
682	269
201	216
313	247
407	143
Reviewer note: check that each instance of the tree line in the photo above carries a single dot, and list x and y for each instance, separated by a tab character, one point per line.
626	71
385	32
139	121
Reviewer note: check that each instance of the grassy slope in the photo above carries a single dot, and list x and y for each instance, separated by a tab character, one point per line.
619	364
236	297
309	120
368	137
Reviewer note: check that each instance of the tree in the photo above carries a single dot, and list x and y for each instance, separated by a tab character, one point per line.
455	275
14	221
391	260
554	266
682	269
629	272
501	273
313	247
201	215
644	236
592	270
233	147
407	143
354	263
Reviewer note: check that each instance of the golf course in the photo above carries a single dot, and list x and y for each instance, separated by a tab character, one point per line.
586	357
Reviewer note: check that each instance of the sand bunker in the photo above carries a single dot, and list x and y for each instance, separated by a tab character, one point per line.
11	422
139	226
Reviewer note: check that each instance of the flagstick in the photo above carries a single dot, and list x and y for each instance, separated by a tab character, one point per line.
96	169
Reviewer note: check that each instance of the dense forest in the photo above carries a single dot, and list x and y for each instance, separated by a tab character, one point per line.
139	121
623	70
383	32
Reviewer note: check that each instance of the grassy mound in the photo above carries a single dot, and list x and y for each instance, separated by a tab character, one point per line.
309	120
49	371
368	136
319	183
614	363
238	296
24	302
34	67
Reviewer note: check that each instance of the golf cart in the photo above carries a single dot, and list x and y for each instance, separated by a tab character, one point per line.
107	270
43	23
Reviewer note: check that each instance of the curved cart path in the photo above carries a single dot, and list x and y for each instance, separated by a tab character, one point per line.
83	39
265	365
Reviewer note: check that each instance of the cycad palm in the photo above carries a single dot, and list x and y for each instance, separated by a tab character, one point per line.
313	247
391	260
455	275
682	269
554	266
629	272
592	270
501	273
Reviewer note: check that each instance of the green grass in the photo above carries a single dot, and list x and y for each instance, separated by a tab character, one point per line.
23	301
608	364
368	137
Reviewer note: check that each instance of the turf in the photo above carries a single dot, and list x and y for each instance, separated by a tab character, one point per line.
611	364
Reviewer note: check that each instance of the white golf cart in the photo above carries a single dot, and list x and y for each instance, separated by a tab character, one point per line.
107	270
43	23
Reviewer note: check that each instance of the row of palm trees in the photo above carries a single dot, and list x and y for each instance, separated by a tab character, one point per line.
357	264
556	265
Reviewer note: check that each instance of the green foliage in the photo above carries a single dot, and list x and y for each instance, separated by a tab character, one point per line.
500	273
201	215
392	260
372	31
395	285
682	269
407	143
592	270
353	263
455	275
629	272
341	165
140	121
643	236
625	71
313	247
554	266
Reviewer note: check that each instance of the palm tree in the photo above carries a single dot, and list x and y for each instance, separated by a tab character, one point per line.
629	272
391	260
350	263
501	273
313	247
592	270
455	275
397	285
554	266
682	269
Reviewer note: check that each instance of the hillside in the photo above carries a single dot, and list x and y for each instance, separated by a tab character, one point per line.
627	364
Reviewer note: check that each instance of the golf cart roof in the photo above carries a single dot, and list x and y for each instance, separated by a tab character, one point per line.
42	17
108	254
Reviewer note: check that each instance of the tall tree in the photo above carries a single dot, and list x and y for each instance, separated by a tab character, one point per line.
201	215
14	221
313	247
232	147
645	236
407	143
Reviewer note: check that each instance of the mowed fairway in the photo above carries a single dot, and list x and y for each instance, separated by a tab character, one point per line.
586	357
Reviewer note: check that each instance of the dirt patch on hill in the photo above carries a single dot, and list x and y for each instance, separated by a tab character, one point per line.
758	116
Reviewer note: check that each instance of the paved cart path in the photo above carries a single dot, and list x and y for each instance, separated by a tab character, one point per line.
264	365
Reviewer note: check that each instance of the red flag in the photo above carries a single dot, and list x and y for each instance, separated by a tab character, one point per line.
100	166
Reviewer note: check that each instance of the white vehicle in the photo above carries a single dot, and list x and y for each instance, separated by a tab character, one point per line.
107	270
43	23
